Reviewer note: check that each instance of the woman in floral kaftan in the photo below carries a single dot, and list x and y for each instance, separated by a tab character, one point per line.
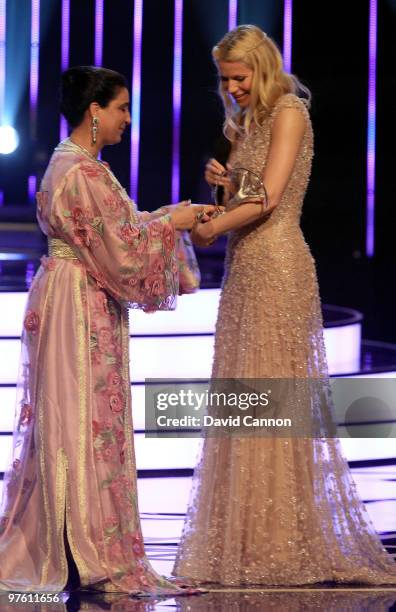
73	471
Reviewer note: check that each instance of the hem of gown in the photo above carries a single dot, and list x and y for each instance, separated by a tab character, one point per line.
176	588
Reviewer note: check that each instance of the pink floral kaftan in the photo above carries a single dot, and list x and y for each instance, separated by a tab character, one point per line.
73	463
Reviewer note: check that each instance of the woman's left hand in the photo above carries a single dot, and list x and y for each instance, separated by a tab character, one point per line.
203	234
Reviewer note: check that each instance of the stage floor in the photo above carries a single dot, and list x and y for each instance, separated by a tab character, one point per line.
326	598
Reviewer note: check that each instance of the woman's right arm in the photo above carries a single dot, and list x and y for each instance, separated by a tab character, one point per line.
134	261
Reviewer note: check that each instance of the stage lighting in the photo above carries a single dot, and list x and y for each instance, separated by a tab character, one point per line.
9	139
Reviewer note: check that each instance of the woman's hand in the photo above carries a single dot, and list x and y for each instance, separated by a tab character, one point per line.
216	176
203	234
186	215
214	172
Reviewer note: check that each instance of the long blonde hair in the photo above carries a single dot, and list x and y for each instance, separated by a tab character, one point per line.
250	45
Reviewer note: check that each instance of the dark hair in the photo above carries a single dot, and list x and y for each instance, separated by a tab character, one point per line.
83	85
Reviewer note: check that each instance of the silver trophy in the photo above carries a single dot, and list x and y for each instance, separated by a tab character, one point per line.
248	186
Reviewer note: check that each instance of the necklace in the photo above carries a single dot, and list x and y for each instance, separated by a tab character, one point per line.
71	143
68	142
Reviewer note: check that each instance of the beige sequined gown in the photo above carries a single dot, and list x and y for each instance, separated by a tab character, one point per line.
275	511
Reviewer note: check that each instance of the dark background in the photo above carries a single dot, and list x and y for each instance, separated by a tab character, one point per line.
330	55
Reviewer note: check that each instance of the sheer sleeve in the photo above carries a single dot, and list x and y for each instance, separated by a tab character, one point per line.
189	274
133	258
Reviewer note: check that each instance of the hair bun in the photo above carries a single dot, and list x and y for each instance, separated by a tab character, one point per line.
82	85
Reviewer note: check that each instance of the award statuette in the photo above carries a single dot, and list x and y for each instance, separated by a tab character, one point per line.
247	187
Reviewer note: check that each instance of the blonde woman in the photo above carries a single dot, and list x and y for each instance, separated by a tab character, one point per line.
272	510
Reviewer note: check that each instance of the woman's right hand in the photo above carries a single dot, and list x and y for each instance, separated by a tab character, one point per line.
185	215
215	173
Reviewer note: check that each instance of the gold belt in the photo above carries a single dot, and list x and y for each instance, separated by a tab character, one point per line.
60	248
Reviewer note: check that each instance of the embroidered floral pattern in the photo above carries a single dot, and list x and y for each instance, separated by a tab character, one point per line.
129	233
116	401
168	238
113	379
49	263
26	415
115	203
106	441
92	170
85	229
31	322
154	285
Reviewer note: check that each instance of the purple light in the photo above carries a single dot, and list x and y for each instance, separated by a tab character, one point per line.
372	77
3	6
232	14
34	76
64	132
287	34
34	59
177	94
1	197
65	34
135	103
65	45
99	32
32	188
29	275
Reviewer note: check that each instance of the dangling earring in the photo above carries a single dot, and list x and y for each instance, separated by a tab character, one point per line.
94	129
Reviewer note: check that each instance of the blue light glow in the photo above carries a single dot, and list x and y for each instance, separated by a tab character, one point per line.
9	139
